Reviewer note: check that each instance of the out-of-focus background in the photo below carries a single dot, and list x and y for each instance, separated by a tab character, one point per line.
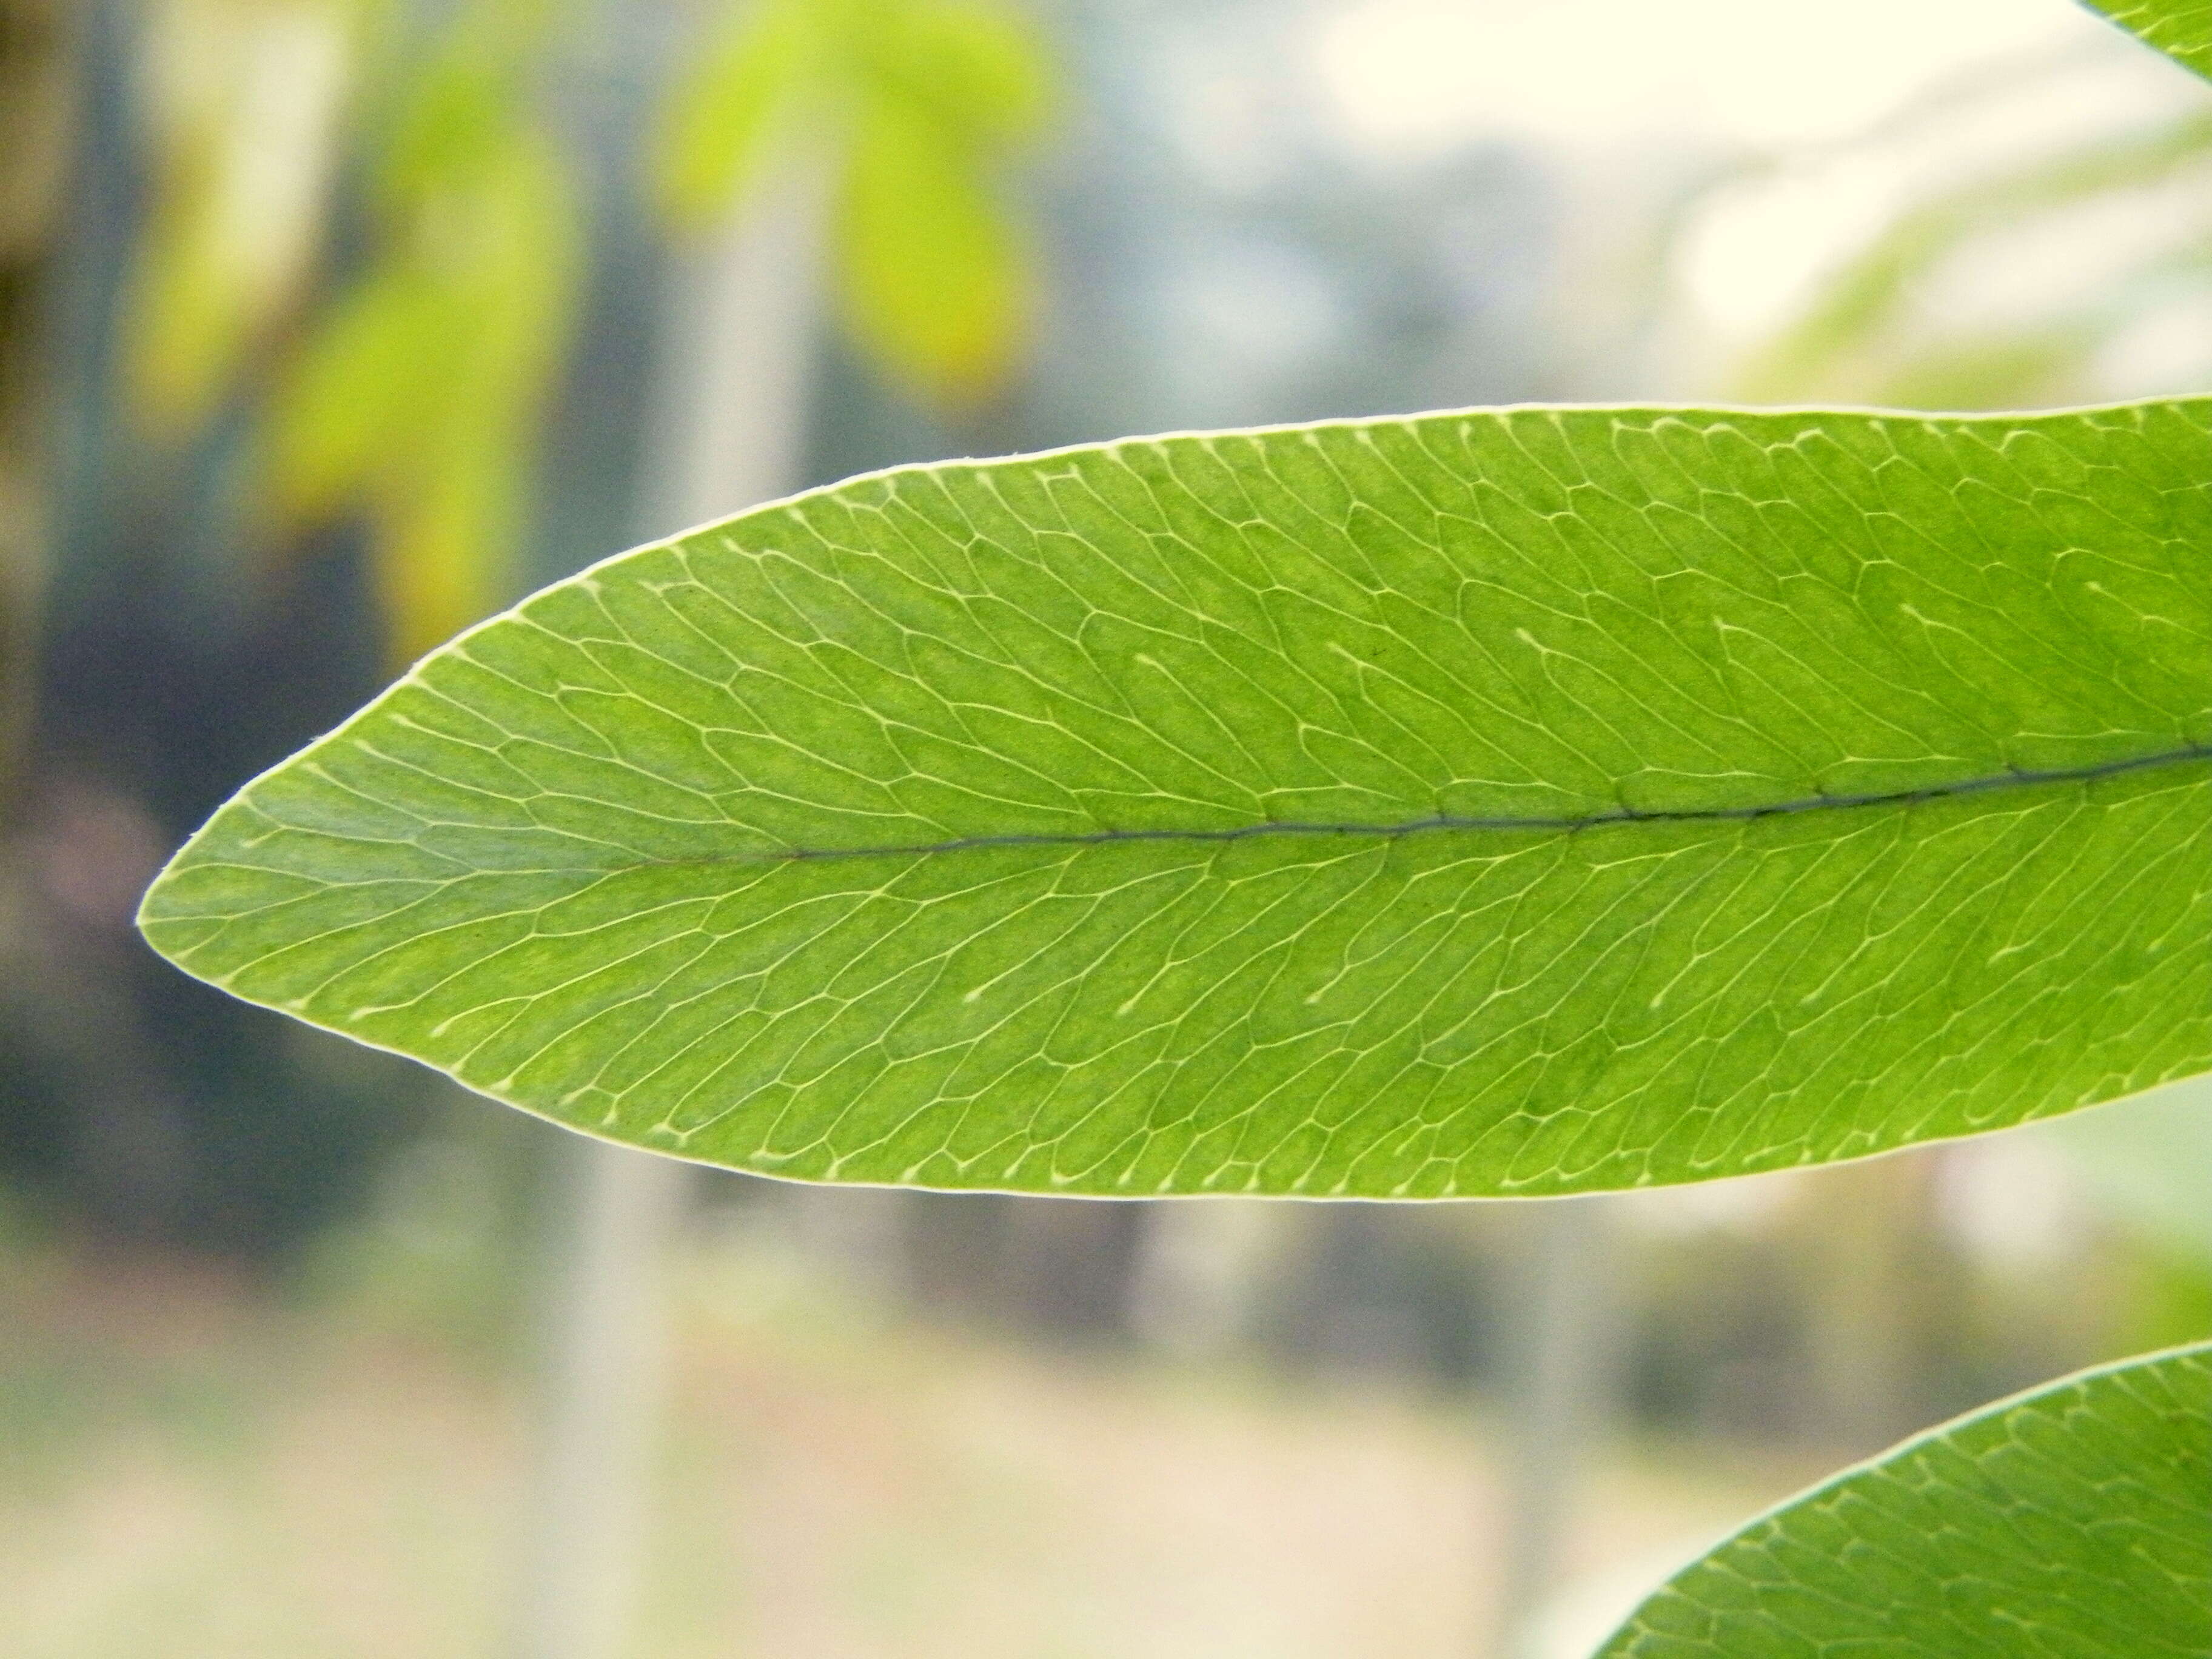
327	326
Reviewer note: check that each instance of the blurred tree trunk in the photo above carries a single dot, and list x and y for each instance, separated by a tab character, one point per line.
1564	1340
1871	1272
1201	1270
35	107
1071	1263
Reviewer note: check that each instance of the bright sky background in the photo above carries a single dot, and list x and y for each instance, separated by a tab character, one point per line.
1605	85
1411	75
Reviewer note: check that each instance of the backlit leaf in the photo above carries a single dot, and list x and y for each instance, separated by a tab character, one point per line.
1529	800
2182	29
2071	1522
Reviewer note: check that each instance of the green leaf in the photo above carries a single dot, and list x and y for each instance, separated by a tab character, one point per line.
1529	800
2182	29
2072	1522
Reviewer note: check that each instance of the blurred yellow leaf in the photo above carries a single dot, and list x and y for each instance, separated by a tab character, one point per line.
449	505
243	99
417	399
933	283
444	530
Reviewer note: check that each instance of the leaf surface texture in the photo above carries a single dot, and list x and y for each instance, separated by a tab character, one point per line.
1530	800
2182	29
2071	1522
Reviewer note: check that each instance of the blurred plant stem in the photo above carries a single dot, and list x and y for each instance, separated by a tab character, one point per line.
613	1212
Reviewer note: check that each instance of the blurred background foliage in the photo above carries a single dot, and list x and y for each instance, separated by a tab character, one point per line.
2116	224
912	105
303	338
326	326
413	398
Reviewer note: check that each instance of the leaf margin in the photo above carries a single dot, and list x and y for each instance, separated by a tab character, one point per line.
586	577
1626	1641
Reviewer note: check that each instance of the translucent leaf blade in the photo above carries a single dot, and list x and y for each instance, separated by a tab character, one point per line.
2182	29
2071	1521
1528	801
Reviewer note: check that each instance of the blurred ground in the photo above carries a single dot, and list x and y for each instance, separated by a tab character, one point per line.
196	1466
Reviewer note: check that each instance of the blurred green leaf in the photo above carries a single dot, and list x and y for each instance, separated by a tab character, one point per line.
2150	1162
1869	295
344	395
2072	1522
417	397
765	80
934	281
449	129
1530	801
2182	29
2009	371
243	99
974	67
917	104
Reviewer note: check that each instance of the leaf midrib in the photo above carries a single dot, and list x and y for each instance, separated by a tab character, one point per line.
1560	824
